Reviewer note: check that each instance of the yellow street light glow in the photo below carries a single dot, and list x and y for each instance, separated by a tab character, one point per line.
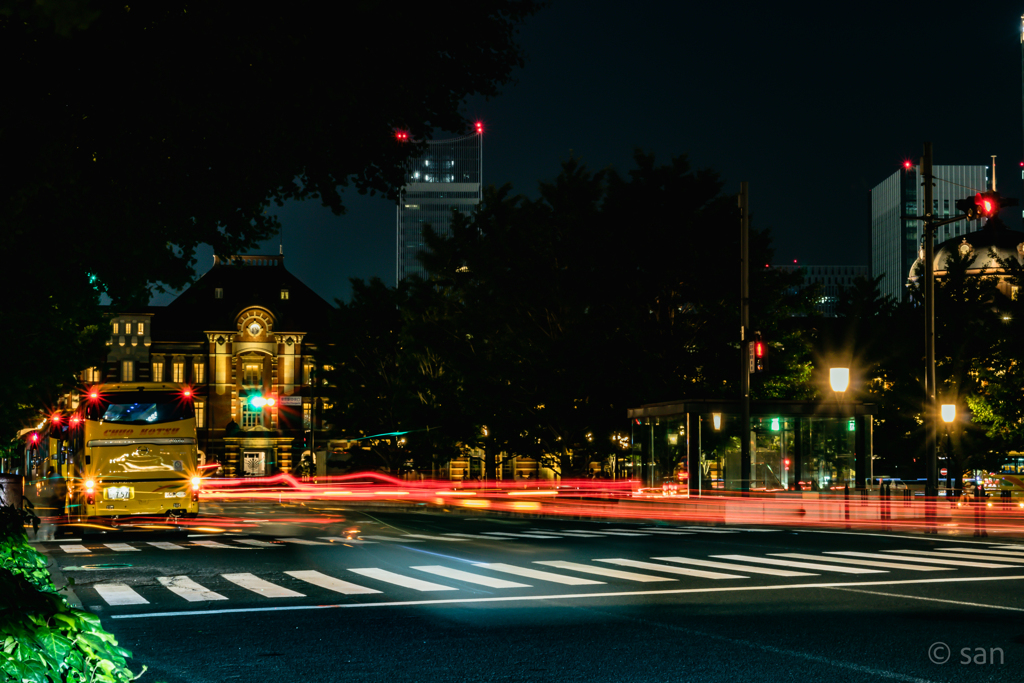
522	505
948	412
839	378
716	419
475	503
211	529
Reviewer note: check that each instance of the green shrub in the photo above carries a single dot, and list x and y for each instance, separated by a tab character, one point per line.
44	639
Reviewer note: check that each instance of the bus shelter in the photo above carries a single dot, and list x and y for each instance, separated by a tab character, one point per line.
794	445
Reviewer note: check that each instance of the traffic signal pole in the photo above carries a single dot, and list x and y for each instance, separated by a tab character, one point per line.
744	200
931	489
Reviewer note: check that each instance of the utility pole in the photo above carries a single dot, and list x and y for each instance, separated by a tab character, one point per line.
744	204
931	489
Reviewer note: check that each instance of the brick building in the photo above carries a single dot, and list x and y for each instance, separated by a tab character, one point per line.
247	327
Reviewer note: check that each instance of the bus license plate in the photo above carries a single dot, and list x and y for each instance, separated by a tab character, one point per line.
118	492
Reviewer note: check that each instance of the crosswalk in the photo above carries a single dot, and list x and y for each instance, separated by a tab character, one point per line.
398	537
384	583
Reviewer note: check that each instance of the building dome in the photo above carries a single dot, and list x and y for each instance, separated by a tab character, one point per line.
984	250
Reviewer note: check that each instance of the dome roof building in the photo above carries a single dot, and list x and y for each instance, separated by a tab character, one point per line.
985	250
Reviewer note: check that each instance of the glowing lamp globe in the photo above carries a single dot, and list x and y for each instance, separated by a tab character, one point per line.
839	378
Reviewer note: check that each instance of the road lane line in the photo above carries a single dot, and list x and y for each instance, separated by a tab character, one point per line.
164	545
735	567
121	547
258	585
401	580
570	596
672	570
580	534
919	597
397	539
999	554
706	530
537	574
460	575
213	544
73	548
867	563
666	532
619	533
1001	562
952	562
481	537
800	565
343	539
331	583
119	594
188	589
261	544
603	571
302	541
434	538
520	535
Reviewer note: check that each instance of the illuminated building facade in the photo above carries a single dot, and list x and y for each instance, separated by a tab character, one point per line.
447	177
895	241
246	328
832	280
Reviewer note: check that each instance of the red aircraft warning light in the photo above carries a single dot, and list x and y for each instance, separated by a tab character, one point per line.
402	135
908	164
479	126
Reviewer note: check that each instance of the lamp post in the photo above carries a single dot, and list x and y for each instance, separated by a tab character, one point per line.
948	416
839	380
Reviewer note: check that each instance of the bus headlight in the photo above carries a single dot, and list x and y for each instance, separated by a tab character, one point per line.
89	485
195	482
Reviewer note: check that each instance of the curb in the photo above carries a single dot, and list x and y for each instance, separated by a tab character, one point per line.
60	581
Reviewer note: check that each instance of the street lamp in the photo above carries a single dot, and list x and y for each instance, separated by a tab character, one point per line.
716	420
839	378
948	415
948	412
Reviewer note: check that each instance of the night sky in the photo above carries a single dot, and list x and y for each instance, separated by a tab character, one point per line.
812	107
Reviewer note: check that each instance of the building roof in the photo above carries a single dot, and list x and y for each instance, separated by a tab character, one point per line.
245	281
984	248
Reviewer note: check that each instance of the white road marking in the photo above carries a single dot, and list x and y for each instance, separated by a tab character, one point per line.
164	545
331	583
735	567
867	563
258	585
481	536
398	539
706	530
302	541
666	532
579	534
261	544
188	589
121	547
433	538
926	560
918	597
603	571
537	574
119	594
800	565
213	544
401	580
460	575
520	535
619	533
572	596
999	554
672	570
343	539
1000	562
73	548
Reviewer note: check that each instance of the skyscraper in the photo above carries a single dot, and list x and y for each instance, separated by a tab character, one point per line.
447	177
895	241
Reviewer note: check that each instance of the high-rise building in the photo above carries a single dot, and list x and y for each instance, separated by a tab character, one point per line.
896	241
832	281
447	177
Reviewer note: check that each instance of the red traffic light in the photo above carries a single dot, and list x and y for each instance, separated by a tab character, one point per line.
34	437
986	204
759	349
55	418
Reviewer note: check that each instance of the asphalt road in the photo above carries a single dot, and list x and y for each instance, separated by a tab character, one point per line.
316	592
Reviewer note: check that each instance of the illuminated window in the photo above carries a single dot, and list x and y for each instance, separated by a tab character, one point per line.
158	371
199	370
307	415
117	327
218	293
142	328
251	415
307	372
178	370
252	374
127	371
1014	292
284	295
200	414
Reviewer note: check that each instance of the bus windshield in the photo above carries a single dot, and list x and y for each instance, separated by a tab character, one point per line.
140	408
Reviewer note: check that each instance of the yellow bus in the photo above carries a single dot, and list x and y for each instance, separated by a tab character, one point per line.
133	454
